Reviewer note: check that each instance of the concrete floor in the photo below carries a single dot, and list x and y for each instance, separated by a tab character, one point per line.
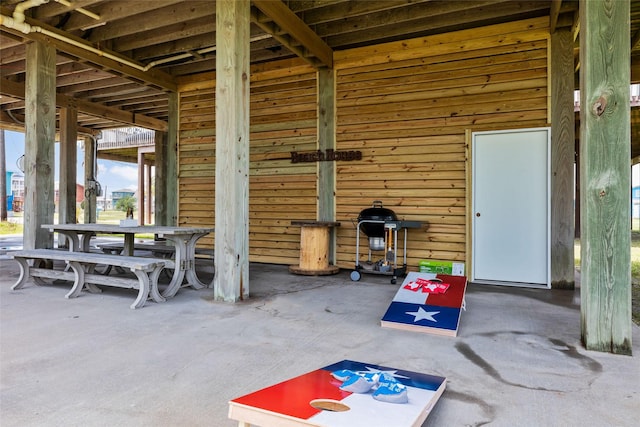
92	361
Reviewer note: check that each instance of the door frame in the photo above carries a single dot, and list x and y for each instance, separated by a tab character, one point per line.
470	203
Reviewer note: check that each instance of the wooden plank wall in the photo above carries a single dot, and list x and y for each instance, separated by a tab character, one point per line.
283	119
196	154
406	106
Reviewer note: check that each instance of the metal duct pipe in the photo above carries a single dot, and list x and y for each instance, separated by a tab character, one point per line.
25	28
17	22
18	12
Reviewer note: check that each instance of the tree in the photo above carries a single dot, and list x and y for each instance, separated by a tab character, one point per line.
126	203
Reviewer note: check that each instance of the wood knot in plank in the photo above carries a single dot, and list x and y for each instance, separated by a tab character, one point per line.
600	106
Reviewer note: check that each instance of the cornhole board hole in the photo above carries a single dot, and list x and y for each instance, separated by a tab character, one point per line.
421	305
315	399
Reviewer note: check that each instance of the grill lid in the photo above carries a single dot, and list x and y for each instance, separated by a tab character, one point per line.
375	213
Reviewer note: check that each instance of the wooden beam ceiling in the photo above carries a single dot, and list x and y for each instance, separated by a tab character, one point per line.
83	51
298	32
172	33
17	90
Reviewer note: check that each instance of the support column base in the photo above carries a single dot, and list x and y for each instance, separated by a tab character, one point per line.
332	269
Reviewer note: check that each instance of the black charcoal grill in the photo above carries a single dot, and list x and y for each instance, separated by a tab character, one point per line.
371	221
381	226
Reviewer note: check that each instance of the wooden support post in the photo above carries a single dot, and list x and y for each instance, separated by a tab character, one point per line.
160	211
171	162
68	166
141	187
40	133
327	141
89	177
147	191
605	289
231	281
562	160
166	190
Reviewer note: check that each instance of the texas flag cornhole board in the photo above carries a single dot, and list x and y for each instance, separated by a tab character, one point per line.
424	305
315	399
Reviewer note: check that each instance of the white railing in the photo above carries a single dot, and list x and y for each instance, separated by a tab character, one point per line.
125	138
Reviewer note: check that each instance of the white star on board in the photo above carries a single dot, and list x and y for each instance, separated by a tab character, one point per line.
421	314
431	286
392	373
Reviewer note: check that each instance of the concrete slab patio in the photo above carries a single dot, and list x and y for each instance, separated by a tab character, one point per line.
92	361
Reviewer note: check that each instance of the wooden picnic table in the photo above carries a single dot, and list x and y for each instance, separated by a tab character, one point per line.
183	238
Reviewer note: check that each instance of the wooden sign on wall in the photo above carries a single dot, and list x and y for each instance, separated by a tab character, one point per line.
325	156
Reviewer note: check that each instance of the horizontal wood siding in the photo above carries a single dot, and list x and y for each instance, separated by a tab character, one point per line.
406	106
283	119
196	156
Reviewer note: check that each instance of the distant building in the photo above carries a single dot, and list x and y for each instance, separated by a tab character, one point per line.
9	195
8	181
104	204
635	202
15	191
17	184
119	194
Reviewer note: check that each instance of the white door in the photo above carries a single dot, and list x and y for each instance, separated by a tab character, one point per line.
511	207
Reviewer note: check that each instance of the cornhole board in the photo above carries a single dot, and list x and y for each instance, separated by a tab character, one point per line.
415	308
300	401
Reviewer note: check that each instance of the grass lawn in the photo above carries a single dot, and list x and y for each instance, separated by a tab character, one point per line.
10	228
110	217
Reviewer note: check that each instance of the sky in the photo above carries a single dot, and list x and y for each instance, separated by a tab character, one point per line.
112	176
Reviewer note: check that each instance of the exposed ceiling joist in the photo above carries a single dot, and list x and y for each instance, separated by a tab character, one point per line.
17	90
16	123
554	13
299	32
101	58
177	38
635	40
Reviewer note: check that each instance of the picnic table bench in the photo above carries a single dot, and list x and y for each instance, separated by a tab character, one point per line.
82	264
157	247
183	239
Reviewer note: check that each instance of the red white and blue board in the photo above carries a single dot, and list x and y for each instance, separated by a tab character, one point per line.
426	305
299	401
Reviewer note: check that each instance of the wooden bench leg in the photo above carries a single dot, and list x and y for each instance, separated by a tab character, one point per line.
79	284
143	292
24	273
153	283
